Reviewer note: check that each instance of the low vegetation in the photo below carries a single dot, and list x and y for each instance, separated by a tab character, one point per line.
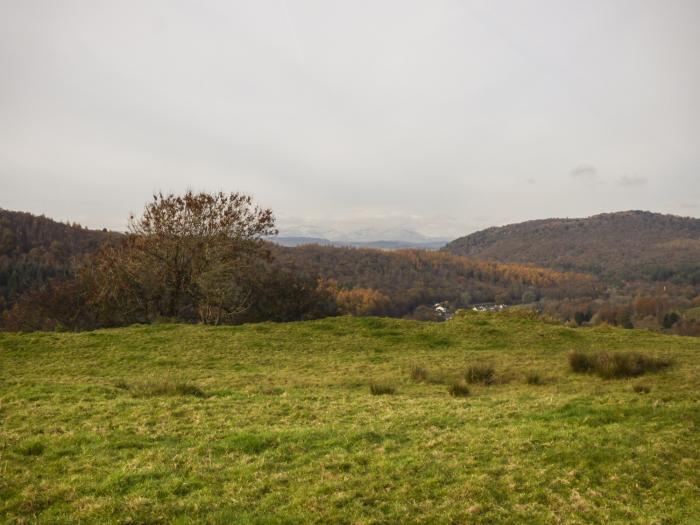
483	373
534	378
611	365
95	429
381	389
419	373
459	388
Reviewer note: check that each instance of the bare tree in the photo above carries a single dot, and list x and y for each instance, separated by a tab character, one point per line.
188	256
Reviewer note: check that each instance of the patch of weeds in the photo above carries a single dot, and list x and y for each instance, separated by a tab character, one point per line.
381	389
616	365
458	389
188	389
480	373
31	448
419	373
628	364
641	389
580	362
534	378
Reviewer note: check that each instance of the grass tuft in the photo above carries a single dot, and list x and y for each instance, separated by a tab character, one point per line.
31	448
381	389
480	373
458	388
419	374
628	364
580	362
616	365
534	378
122	384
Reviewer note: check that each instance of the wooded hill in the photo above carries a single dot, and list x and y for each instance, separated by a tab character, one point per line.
409	278
35	249
630	245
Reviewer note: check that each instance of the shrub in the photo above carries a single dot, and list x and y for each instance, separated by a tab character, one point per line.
419	373
641	389
480	373
381	389
616	365
458	389
534	378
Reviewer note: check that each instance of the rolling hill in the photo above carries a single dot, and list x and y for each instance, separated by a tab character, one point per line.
615	246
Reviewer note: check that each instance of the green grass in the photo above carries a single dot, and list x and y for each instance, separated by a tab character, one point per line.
275	423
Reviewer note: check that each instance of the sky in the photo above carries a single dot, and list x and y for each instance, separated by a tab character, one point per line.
442	117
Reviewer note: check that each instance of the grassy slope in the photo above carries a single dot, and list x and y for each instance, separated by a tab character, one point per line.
289	432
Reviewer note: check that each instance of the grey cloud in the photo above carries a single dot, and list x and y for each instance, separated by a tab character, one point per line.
631	181
585	172
425	113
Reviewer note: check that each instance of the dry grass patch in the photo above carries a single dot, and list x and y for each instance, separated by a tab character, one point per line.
459	388
382	389
482	373
616	365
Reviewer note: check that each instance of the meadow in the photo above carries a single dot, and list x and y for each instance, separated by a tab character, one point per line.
347	420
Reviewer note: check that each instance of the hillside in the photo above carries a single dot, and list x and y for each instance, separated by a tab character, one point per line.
624	245
274	423
35	249
413	277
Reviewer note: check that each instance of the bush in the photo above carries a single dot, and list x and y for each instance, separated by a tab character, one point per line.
641	389
419	373
480	373
458	389
616	365
381	389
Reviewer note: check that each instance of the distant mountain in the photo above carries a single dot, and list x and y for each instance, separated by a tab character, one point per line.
616	246
375	237
382	245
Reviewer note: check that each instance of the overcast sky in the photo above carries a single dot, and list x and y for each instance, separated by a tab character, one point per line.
444	117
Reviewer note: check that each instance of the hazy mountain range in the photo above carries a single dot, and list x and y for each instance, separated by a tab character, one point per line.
379	237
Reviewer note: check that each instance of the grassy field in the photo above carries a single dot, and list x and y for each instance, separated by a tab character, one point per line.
275	423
